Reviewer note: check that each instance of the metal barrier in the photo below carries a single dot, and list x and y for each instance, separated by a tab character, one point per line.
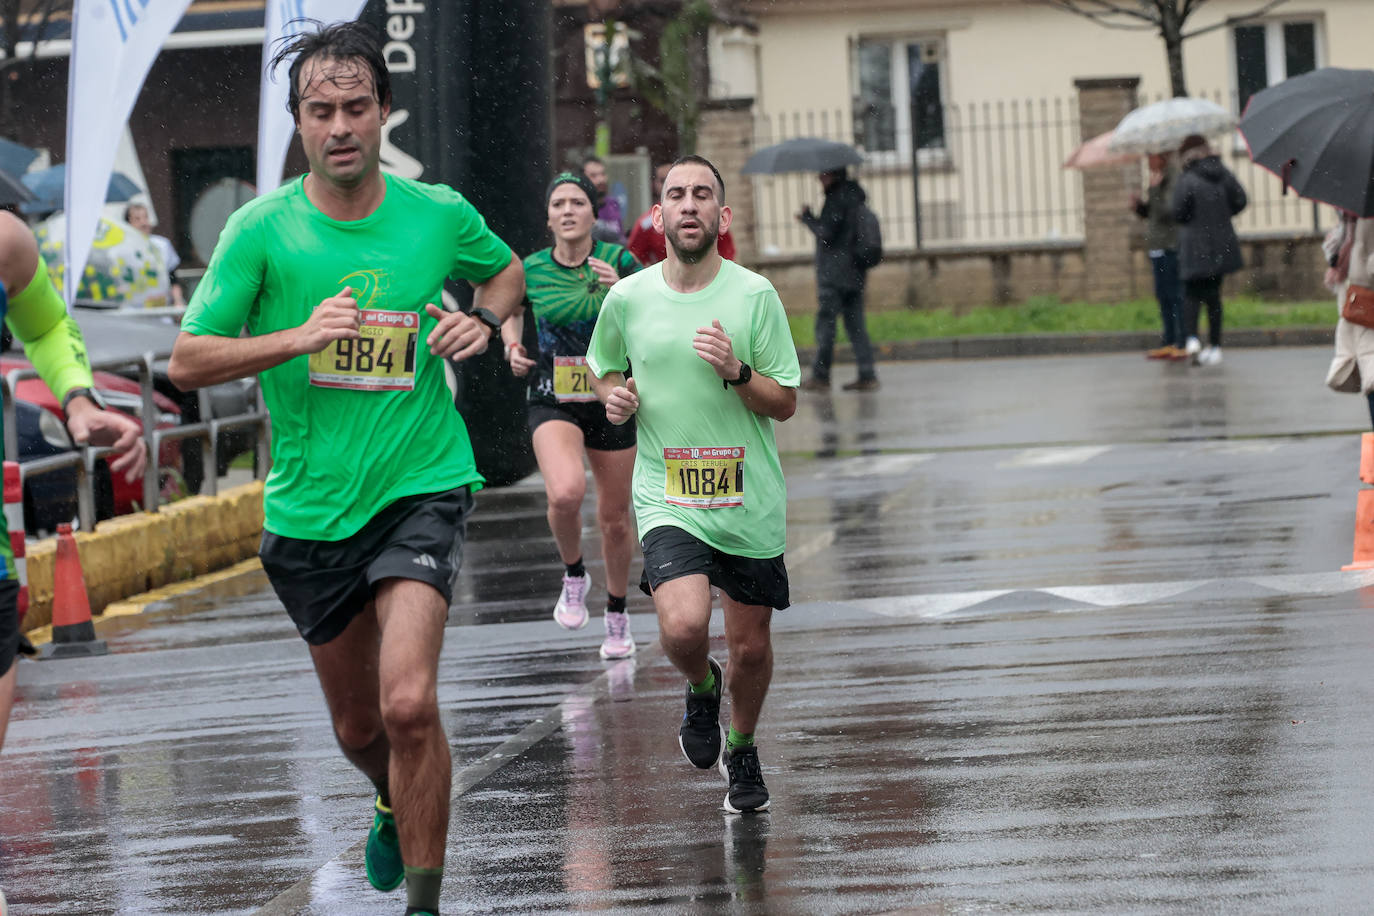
83	459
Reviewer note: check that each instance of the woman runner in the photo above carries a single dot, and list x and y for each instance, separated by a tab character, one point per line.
564	286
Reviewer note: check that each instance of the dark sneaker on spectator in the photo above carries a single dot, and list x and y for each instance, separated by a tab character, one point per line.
700	735
741	770
863	384
815	384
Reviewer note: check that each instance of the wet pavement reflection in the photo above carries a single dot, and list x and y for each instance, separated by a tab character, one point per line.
1068	637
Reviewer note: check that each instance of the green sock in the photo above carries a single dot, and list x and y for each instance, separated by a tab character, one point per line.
422	887
734	739
708	685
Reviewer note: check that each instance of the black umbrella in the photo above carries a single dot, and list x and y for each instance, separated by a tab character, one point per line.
802	154
1316	132
12	190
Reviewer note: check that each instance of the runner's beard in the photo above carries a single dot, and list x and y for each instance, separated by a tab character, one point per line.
693	255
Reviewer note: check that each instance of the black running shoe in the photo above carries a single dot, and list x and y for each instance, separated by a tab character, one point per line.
741	769
700	735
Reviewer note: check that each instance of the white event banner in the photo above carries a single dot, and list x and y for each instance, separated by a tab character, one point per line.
285	19
114	44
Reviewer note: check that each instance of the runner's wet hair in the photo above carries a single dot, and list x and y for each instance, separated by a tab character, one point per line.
356	41
692	159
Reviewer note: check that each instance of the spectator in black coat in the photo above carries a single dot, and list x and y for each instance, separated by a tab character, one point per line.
839	282
1206	197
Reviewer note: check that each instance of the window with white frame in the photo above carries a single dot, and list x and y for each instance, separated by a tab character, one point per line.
894	78
1267	53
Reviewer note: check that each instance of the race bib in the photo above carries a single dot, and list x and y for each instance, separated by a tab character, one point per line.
572	380
383	359
704	478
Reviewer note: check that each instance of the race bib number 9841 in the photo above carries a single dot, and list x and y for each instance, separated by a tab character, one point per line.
704	478
571	381
382	359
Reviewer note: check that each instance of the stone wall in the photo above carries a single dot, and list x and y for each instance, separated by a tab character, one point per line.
1283	268
725	136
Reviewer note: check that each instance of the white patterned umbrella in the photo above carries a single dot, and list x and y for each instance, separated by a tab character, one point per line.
1162	126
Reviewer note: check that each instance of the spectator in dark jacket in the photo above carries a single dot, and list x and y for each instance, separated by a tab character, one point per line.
1206	198
1161	241
839	282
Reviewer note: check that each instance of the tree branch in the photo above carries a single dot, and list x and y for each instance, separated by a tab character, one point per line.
1103	12
1237	19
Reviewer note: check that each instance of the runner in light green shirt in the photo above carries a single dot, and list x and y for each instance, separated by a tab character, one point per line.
683	405
714	368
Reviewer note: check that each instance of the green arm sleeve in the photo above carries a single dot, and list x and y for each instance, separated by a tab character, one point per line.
52	341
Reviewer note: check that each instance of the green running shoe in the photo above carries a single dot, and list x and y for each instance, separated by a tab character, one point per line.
385	870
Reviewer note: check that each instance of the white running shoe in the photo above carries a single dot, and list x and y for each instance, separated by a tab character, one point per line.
618	642
1212	356
571	609
1191	349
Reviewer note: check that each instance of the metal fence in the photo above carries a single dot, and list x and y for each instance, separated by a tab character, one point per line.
990	174
83	459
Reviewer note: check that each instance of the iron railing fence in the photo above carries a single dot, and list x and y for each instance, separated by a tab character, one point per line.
990	174
83	459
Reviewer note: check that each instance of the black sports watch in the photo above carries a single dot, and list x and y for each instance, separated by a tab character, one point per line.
89	393
745	374
488	318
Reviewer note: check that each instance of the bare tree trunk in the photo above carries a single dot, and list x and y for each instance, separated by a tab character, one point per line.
1171	30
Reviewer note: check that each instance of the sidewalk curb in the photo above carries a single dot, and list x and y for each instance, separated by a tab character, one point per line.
1004	345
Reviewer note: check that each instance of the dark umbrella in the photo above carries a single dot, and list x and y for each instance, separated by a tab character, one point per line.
1316	132
802	154
12	190
15	157
49	186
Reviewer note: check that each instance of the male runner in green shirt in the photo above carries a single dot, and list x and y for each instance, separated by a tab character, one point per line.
31	306
714	367
337	276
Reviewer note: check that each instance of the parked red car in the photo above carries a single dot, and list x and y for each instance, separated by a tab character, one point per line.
114	495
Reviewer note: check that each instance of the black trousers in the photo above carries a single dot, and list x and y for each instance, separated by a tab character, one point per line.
847	303
1201	290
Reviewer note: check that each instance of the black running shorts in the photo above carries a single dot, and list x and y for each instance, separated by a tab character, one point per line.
590	417
9	623
325	584
670	553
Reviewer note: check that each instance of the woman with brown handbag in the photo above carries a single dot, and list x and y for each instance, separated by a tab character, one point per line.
1351	277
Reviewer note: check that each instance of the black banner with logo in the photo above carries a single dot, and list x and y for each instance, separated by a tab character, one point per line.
471	108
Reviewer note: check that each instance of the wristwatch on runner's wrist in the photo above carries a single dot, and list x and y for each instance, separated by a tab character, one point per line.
487	317
745	374
89	394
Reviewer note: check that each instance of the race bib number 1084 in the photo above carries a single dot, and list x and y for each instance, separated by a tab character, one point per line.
382	359
704	478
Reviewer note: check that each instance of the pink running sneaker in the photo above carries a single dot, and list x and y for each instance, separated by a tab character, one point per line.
571	609
618	642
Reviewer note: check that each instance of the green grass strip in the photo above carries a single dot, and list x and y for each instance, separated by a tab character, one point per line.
1047	315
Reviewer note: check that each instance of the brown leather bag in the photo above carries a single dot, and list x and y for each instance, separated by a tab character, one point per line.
1358	306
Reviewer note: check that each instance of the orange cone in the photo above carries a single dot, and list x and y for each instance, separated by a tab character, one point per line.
73	633
1367	458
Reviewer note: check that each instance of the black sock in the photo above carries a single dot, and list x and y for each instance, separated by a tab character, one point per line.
614	604
384	793
576	568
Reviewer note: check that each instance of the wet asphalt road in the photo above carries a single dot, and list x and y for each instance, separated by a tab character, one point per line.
1069	636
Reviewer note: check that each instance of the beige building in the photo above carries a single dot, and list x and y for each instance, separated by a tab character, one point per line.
994	91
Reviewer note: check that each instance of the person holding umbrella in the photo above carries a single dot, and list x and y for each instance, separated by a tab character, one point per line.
839	281
1161	241
1205	200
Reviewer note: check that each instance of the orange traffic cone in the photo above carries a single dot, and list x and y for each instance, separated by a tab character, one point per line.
1367	458
73	633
